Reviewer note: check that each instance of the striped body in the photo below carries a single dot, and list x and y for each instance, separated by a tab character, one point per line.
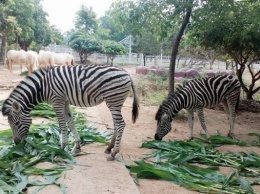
79	85
196	95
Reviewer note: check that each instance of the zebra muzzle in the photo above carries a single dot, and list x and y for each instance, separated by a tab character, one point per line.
156	137
17	140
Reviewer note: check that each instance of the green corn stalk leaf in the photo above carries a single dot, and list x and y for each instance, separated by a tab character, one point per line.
245	185
229	178
175	157
182	158
218	140
63	189
17	161
7	188
50	148
23	181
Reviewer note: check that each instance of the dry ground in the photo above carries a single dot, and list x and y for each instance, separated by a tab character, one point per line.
101	176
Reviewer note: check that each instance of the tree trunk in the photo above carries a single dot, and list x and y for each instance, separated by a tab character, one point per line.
82	57
176	47
249	95
107	55
112	57
155	60
144	58
2	49
5	50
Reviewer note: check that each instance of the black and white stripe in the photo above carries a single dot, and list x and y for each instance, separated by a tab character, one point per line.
61	86
196	95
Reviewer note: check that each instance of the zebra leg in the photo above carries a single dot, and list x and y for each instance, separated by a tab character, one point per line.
226	108
71	124
191	121
202	122
58	106
232	116
116	139
112	143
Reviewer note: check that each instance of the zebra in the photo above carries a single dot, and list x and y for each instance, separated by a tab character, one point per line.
196	95
62	86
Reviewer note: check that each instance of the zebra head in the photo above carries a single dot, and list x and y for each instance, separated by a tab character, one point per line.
18	121
163	124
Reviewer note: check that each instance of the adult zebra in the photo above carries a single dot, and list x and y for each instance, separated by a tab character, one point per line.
194	96
61	86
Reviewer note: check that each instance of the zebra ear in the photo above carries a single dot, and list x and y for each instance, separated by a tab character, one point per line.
16	106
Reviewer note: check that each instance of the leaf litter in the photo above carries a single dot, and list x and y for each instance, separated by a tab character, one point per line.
196	164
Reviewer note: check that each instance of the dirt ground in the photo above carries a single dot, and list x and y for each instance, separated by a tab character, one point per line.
97	175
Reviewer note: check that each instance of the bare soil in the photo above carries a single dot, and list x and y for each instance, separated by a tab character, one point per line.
97	175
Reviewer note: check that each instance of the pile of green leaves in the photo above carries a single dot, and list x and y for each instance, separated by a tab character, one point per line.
17	162
195	165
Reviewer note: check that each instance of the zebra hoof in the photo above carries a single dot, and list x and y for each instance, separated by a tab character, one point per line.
231	135
63	145
110	158
75	150
107	151
191	138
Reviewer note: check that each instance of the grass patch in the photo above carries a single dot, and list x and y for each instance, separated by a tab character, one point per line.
152	89
24	73
17	162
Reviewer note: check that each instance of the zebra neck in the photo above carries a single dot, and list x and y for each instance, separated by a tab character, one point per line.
29	92
178	102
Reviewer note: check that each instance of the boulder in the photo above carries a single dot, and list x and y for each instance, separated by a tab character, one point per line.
192	73
141	70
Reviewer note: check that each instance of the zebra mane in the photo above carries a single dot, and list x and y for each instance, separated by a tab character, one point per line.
173	95
35	76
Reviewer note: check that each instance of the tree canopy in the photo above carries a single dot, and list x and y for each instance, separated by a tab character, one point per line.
86	20
112	48
84	44
24	22
233	28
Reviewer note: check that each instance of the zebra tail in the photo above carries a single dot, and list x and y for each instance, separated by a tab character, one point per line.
135	110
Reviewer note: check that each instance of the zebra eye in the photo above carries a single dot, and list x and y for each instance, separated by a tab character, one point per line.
17	123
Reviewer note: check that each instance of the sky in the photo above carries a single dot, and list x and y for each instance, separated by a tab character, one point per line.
62	12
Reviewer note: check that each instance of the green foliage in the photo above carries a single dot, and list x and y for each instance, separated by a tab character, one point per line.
152	88
147	44
233	28
85	44
17	162
56	36
24	21
86	20
42	30
176	161
109	24
112	48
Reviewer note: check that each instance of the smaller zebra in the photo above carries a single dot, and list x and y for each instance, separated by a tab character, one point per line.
196	95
